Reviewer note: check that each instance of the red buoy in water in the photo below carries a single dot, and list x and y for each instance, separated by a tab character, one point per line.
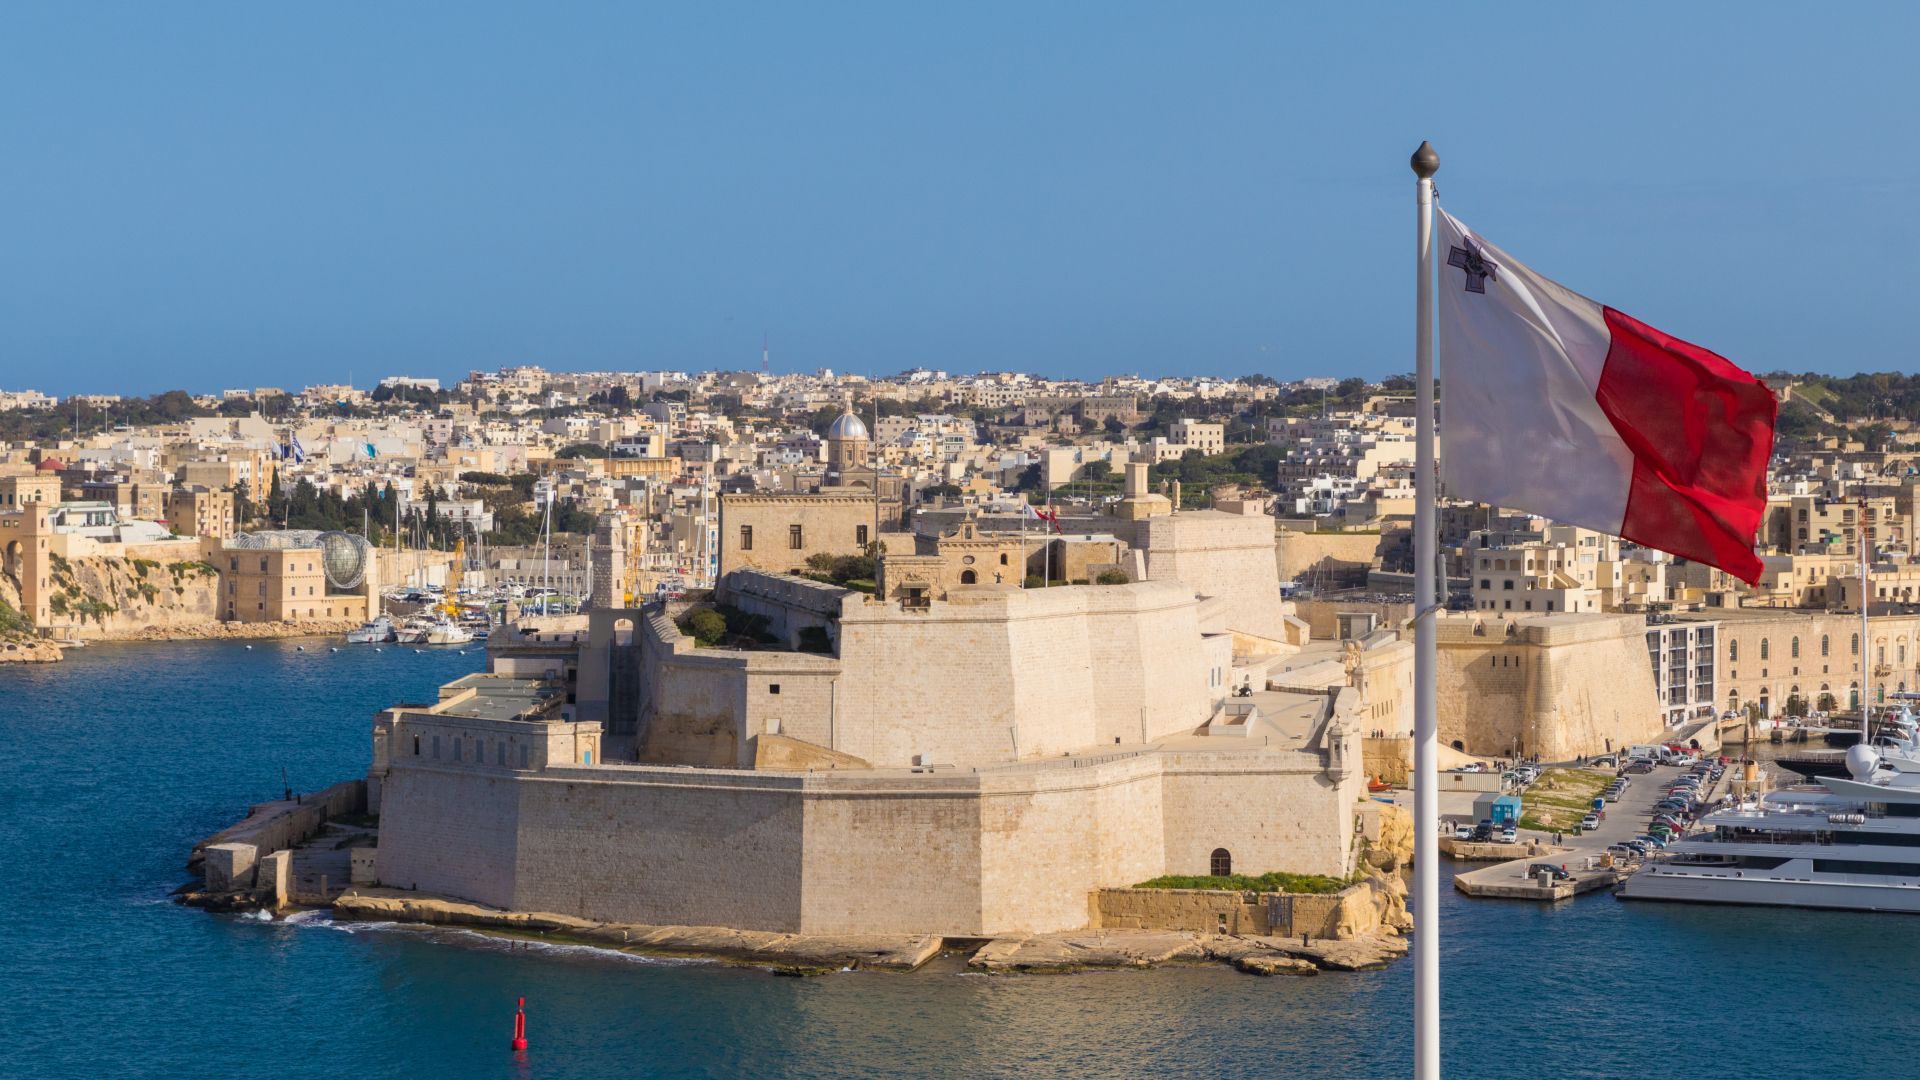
520	1026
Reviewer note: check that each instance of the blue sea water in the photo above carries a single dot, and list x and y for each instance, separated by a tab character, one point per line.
119	758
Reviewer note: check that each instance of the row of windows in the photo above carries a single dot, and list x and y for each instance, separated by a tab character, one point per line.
479	750
796	537
1866	866
1793	649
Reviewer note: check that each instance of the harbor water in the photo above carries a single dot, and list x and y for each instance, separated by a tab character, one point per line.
122	756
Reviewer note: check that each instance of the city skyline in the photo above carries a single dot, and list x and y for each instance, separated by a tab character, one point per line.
632	192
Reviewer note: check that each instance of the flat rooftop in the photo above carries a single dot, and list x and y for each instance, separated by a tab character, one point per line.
499	697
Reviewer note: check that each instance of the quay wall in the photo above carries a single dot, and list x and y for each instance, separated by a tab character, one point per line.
275	826
1363	908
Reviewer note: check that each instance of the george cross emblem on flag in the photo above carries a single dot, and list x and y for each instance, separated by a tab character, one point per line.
1478	267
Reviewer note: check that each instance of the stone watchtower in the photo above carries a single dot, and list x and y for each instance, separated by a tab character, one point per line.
23	552
1137	502
609	561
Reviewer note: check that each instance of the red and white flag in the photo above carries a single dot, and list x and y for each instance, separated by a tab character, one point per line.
1557	405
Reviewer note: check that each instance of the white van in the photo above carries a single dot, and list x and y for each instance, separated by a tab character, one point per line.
1645	753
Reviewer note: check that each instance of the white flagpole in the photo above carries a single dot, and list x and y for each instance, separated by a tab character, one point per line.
1426	593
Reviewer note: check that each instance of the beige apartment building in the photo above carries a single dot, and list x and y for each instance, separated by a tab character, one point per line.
1767	657
33	487
281	585
201	512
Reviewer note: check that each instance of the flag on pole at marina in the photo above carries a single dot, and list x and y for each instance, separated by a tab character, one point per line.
1558	405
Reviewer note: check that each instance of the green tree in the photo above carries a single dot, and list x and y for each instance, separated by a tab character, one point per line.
707	626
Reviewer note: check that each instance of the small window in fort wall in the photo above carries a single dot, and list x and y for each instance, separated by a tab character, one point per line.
457	740
773	688
416	746
1221	863
500	753
436	746
623	632
523	755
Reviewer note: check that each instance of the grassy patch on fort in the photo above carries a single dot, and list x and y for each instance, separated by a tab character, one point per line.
1560	798
1278	882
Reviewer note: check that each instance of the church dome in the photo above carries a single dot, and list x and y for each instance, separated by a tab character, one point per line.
848	426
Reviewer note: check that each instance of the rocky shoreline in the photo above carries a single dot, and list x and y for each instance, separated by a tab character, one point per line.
38	650
29	650
235	631
813	954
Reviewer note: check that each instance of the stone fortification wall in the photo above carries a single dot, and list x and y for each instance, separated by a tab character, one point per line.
996	670
704	706
1222	554
957	853
790	604
1559	686
1207	796
453	831
1323	616
1323	557
1363	908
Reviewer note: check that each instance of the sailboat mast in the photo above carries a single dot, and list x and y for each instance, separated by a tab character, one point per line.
1866	641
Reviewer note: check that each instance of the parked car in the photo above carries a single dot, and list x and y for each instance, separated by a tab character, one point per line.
1622	850
1474	766
1559	873
1463	832
1481	833
1591	821
1509	835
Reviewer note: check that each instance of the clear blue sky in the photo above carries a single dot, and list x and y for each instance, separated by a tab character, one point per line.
210	195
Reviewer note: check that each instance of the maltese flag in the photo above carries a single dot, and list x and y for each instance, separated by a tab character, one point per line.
1557	405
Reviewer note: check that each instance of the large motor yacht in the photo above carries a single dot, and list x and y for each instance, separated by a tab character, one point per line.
1851	843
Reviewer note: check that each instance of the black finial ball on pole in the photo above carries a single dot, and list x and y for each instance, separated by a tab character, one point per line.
1426	161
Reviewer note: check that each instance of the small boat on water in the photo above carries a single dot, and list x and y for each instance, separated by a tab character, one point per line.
444	631
374	631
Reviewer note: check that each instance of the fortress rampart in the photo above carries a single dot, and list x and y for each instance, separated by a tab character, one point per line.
959	853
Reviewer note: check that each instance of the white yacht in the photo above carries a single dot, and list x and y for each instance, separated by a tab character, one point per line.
1851	844
374	631
444	631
